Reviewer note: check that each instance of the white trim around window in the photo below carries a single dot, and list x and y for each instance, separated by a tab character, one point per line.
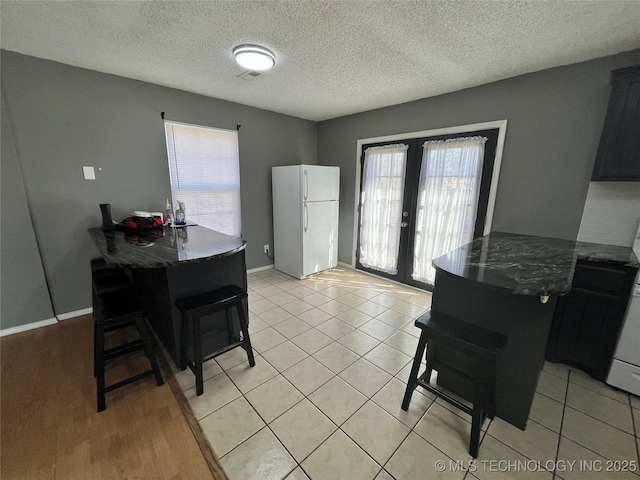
501	125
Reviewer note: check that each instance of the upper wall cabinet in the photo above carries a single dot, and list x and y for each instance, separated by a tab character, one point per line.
619	151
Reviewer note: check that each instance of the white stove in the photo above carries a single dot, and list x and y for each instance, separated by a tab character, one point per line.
625	368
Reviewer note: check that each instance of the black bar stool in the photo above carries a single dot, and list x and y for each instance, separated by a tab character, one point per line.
195	307
113	310
107	279
445	338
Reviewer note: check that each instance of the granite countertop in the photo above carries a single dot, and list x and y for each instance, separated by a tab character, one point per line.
164	247
527	265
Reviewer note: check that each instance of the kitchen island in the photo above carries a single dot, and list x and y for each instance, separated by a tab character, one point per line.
510	284
170	263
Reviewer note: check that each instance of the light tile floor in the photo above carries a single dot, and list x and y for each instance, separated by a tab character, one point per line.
333	354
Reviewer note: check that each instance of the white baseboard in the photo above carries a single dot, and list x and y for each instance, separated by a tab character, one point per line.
259	269
28	326
77	313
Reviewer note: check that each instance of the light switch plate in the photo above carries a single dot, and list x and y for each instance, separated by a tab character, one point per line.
89	173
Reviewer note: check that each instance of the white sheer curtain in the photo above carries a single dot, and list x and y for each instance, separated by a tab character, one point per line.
381	207
447	200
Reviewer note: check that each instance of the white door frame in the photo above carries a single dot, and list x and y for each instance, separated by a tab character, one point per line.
501	125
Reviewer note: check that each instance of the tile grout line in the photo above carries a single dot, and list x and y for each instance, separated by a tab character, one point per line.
590	449
564	403
635	433
565	378
407	436
595	391
484	433
336	340
368	398
602	421
266	425
224	405
547	396
292	406
365	299
597	419
338	427
293	365
512	447
568	380
299	464
564	407
397	330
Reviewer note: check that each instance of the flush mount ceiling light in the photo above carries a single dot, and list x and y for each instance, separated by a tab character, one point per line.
254	57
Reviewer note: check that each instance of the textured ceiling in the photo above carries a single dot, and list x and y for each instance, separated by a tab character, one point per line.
333	58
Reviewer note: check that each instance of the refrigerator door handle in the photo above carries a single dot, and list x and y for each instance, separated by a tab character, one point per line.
306	185
306	218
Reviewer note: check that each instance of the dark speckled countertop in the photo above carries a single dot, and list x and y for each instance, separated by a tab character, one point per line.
527	265
164	247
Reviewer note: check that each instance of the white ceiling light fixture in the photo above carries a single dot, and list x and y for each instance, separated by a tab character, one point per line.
254	57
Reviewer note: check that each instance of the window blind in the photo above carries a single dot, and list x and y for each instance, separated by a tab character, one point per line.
204	168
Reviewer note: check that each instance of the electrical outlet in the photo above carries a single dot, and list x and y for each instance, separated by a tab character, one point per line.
266	249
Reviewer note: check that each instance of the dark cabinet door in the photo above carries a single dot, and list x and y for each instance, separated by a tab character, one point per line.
618	155
588	320
587	326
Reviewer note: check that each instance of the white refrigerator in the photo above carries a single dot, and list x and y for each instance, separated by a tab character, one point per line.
305	218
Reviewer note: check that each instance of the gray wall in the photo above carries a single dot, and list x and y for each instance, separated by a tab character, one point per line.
66	117
555	118
23	290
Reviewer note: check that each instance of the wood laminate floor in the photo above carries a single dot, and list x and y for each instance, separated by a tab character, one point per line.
50	428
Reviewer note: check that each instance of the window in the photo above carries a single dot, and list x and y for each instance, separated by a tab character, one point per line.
381	206
445	199
204	168
447	203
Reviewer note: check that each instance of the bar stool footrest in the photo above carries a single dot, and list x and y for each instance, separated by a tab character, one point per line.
446	397
123	349
127	381
213	355
236	344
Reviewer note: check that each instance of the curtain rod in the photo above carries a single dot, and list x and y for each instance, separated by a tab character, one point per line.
237	125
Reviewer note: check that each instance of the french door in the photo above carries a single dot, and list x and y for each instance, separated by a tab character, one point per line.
420	198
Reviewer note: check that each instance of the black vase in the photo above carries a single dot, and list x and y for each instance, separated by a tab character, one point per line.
107	222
